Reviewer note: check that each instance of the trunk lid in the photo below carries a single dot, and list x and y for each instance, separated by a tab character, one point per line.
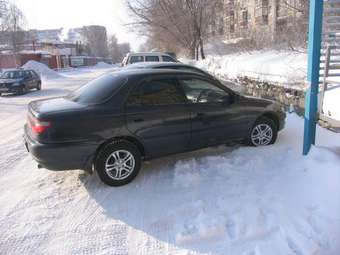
43	108
45	117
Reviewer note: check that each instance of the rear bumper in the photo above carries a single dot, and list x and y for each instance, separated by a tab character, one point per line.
61	156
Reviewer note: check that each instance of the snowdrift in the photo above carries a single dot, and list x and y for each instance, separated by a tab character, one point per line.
272	66
103	65
43	70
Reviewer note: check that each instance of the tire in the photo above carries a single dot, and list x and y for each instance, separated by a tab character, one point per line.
108	155
269	135
39	86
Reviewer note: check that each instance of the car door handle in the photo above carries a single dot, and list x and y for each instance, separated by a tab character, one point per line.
200	115
138	120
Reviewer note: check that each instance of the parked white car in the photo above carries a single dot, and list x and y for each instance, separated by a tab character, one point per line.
131	58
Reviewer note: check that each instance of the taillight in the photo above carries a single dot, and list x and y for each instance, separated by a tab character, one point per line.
39	126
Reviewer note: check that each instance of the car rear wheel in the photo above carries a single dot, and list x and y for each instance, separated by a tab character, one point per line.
118	163
264	132
39	86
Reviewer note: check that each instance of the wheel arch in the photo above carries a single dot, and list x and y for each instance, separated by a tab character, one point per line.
130	139
273	117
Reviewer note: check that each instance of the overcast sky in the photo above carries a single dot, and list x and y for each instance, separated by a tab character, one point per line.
46	14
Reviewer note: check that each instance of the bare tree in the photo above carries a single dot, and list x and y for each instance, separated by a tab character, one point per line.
181	22
300	6
117	51
96	40
13	23
293	30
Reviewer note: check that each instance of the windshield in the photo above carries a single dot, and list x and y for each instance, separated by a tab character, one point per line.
98	90
12	75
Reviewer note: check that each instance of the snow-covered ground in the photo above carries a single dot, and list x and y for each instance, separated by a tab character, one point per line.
331	104
225	200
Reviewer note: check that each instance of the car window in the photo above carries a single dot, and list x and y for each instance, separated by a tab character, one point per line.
168	59
28	74
201	91
135	59
151	58
34	74
12	75
98	90
157	92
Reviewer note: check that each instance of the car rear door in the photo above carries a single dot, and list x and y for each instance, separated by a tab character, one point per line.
214	115
157	114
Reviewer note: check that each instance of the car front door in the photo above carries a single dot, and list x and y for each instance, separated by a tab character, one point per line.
214	115
35	79
158	115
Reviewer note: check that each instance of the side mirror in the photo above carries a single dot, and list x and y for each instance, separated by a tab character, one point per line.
227	100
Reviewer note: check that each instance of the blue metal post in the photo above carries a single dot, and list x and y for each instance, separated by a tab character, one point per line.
314	47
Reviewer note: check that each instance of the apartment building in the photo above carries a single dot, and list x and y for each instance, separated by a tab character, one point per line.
246	18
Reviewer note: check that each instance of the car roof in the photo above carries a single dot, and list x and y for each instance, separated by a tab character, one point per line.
145	71
16	70
155	64
13	70
147	54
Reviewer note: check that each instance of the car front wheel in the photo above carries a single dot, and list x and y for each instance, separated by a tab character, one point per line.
264	132
118	163
22	90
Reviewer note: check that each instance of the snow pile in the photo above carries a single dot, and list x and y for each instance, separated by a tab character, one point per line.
331	103
103	65
43	70
283	67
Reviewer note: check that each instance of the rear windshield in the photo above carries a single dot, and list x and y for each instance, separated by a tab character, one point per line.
98	90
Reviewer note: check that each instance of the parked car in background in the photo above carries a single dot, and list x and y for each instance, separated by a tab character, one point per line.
132	58
19	81
114	122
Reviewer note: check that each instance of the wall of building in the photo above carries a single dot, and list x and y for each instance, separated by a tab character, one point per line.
8	61
255	18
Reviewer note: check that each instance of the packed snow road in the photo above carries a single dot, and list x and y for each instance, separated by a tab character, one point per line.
225	200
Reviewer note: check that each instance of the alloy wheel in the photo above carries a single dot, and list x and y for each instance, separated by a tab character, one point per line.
120	164
262	134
